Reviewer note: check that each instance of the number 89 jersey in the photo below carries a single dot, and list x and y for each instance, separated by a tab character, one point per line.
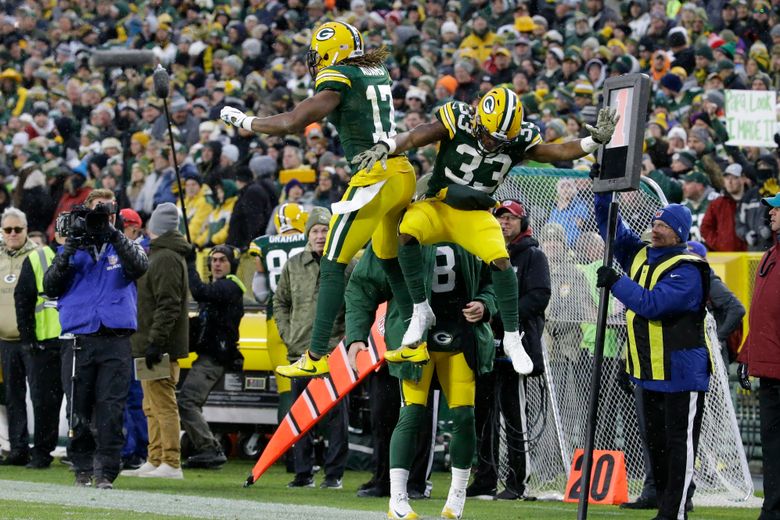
459	160
274	251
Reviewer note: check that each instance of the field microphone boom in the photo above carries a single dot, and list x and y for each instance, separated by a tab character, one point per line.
121	58
161	82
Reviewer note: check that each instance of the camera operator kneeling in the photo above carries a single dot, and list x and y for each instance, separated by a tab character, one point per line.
93	275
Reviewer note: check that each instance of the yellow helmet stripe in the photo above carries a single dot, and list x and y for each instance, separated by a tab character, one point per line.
509	113
282	217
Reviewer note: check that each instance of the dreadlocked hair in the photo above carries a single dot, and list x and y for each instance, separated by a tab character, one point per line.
375	58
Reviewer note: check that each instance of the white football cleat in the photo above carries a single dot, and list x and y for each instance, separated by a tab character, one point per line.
399	508
456	499
513	346
422	320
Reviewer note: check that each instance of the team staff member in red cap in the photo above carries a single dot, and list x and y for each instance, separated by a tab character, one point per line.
533	279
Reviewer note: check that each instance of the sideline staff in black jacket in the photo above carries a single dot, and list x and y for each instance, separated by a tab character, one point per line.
215	338
533	279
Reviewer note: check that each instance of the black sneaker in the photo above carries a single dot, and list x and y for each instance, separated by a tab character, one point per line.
374	492
416	494
331	483
65	460
83	480
508	494
643	502
301	481
38	464
15	459
480	492
132	462
103	483
210	459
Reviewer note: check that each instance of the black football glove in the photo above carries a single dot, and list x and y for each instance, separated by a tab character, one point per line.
153	356
744	378
606	277
190	256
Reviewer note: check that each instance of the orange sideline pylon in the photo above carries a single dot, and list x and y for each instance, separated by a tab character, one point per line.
322	394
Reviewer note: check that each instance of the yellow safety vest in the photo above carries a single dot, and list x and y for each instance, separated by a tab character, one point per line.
47	319
651	342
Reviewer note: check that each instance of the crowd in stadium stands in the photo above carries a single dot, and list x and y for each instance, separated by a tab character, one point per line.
68	127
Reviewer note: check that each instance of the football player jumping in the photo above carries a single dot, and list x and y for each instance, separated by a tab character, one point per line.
477	149
353	89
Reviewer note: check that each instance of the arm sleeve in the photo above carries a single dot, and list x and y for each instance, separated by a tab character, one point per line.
219	291
134	259
679	290
57	278
709	228
486	294
260	287
283	303
731	308
627	243
332	79
447	116
363	296
536	287
169	290
25	297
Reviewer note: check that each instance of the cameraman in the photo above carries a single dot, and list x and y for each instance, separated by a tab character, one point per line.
93	275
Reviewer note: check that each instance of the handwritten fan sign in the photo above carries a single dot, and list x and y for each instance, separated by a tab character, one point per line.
750	118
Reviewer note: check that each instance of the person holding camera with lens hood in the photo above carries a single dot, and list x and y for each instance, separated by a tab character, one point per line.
94	275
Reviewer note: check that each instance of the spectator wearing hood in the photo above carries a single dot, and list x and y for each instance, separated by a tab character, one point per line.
195	200
32	197
224	194
74	193
752	216
251	212
481	39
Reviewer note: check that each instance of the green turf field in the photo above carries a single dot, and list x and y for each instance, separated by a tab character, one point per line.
222	491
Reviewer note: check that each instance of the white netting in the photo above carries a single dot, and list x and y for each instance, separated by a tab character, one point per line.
558	403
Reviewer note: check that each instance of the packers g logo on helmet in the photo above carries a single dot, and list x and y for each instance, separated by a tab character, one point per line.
498	120
290	216
331	43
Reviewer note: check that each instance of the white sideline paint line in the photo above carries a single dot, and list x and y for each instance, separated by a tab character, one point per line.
169	504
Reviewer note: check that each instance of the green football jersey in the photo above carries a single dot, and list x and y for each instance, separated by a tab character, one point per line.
448	298
366	114
459	160
274	251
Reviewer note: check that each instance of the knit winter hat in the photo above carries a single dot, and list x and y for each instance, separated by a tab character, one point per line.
672	82
677	217
165	217
317	215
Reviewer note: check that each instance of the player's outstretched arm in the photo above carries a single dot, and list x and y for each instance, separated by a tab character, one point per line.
599	135
308	111
422	135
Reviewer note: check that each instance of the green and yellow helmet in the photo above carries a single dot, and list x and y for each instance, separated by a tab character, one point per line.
290	216
498	120
331	43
